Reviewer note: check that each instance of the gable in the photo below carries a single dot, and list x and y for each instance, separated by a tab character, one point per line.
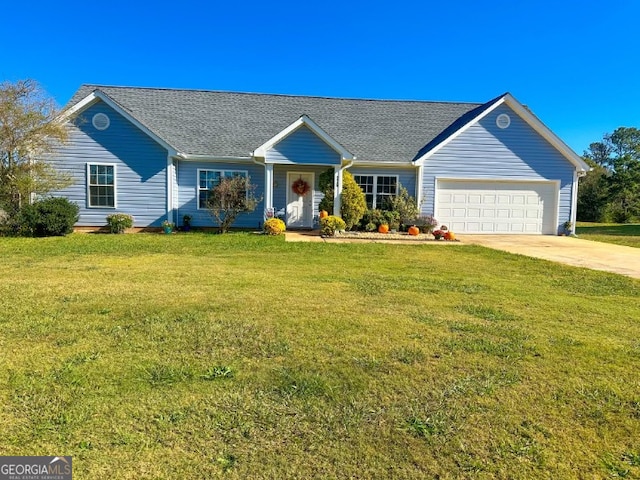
74	110
302	147
489	110
518	151
122	140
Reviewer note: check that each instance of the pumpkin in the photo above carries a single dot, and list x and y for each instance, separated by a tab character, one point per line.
449	235
384	228
323	214
413	230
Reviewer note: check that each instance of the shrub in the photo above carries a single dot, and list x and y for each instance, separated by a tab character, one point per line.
372	219
119	222
49	217
404	204
426	223
353	201
325	184
331	224
274	226
231	197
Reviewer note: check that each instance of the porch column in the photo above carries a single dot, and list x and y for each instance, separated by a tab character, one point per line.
268	186
337	190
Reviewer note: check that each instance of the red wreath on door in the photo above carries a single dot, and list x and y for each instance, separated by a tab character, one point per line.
301	187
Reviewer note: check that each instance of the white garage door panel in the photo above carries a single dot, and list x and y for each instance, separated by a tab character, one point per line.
496	207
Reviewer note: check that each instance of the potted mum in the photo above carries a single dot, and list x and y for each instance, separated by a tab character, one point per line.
167	226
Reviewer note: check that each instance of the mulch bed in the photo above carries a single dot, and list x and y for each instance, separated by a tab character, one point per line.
423	237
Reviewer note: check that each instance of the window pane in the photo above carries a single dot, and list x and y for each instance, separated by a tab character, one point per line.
203	197
386	187
366	184
101	185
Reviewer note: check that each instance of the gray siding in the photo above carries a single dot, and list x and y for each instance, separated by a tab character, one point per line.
141	185
484	151
303	147
187	194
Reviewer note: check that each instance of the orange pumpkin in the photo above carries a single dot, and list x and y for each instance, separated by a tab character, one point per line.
449	235
413	230
323	214
384	228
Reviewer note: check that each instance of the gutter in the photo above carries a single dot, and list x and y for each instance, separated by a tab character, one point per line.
230	158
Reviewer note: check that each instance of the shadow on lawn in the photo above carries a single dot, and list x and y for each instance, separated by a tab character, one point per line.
630	230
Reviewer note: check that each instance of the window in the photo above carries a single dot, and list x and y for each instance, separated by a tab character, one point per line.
377	188
102	185
207	179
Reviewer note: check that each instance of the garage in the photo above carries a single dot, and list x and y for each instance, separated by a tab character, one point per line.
506	207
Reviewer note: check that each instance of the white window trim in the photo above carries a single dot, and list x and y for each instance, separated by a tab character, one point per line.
115	185
222	172
375	184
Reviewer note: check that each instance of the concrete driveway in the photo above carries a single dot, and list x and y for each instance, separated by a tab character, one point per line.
568	250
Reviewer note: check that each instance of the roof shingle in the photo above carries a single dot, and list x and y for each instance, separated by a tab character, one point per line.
199	122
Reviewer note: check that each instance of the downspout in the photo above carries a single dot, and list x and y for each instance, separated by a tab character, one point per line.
574	199
337	188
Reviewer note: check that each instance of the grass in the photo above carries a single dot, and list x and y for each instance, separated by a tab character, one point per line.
242	356
620	234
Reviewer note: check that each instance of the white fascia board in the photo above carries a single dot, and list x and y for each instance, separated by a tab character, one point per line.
289	162
96	95
358	163
471	122
83	104
547	134
314	127
212	158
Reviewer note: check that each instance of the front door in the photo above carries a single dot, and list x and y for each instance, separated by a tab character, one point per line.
299	206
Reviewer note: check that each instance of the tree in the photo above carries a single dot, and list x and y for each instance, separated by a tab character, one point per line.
593	193
29	131
231	197
611	191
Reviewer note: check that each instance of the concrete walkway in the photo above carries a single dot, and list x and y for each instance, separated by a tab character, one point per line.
569	250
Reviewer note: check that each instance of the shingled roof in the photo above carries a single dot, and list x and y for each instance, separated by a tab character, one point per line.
198	122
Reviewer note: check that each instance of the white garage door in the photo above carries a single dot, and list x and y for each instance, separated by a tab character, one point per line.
497	207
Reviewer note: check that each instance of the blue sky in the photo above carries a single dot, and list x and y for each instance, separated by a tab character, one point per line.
574	63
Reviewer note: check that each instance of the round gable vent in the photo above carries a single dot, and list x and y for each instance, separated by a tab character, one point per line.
101	121
503	120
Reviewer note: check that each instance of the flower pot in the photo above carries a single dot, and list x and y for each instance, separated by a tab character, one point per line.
167	229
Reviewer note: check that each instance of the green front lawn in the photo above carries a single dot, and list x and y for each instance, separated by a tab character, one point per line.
203	356
621	234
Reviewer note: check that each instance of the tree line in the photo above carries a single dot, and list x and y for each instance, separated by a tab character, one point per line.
610	192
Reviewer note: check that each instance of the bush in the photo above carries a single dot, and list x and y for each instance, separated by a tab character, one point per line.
331	224
325	184
353	201
49	217
274	226
231	197
426	223
119	222
372	219
404	204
